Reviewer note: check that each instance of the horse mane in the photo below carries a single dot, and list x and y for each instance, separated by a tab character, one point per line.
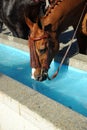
52	7
59	10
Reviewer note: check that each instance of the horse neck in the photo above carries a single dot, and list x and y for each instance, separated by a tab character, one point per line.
59	11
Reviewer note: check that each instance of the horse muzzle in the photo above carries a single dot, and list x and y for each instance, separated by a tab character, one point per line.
40	74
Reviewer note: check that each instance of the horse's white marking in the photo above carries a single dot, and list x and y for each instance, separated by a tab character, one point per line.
32	76
47	4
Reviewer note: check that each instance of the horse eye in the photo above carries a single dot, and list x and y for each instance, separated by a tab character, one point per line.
42	51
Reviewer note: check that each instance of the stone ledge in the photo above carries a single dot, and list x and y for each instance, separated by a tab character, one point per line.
42	112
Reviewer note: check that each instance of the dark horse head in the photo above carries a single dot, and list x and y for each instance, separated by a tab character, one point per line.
12	15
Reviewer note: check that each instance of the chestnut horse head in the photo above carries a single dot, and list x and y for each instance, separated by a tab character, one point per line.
43	47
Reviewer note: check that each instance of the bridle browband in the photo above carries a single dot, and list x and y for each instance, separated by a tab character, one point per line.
46	35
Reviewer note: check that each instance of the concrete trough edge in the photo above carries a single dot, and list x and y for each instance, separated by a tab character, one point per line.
40	112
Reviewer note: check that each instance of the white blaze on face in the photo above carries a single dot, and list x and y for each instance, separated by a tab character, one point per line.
33	70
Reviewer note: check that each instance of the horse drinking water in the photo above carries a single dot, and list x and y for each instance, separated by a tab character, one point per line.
43	48
43	42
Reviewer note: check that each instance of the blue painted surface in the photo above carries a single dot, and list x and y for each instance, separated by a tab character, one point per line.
69	87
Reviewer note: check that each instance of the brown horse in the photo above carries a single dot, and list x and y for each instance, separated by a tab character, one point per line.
43	42
43	48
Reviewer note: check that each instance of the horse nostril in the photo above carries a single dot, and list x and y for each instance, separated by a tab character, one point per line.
42	75
45	76
38	77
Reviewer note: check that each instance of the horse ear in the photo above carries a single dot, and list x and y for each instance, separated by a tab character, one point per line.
29	22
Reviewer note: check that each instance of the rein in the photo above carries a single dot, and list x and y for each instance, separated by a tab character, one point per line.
61	63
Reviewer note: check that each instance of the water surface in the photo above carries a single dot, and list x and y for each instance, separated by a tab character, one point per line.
68	88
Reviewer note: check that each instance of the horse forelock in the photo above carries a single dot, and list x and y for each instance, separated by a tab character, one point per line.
34	60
